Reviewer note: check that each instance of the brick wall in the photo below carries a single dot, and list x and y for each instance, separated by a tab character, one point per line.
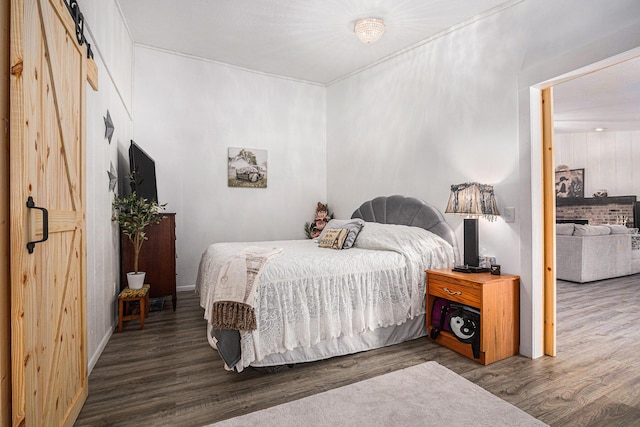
597	214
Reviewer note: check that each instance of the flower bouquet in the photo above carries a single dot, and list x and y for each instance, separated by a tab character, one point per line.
314	228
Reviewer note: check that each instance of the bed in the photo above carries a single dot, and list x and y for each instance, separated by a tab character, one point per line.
312	303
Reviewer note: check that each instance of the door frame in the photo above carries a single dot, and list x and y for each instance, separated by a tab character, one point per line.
541	95
548	227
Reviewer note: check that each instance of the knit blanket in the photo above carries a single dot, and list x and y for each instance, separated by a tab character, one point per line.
234	294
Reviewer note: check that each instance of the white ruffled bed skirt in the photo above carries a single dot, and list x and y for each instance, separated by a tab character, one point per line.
369	340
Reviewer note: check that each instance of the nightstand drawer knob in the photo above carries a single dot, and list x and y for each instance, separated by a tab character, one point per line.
452	292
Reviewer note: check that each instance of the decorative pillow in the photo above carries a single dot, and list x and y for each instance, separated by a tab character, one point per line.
352	225
333	238
591	230
565	229
618	229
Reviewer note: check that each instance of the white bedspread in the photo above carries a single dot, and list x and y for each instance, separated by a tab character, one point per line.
310	294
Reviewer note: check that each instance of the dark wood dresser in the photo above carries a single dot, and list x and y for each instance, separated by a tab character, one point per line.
157	258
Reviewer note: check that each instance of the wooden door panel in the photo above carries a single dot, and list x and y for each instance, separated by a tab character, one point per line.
63	362
49	360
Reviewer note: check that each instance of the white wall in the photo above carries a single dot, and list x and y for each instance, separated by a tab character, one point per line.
190	111
608	159
113	53
457	109
423	121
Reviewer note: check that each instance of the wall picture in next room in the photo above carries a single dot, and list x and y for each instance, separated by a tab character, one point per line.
570	183
247	167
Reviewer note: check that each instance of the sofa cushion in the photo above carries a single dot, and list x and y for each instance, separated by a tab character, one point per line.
565	229
591	230
618	229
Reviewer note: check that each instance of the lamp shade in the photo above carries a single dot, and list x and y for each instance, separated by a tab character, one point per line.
473	200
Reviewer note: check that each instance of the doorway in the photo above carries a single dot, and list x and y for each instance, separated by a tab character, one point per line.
549	206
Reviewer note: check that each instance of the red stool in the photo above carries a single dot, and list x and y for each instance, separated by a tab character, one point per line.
128	295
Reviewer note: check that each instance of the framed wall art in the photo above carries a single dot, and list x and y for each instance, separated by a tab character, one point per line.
247	167
570	183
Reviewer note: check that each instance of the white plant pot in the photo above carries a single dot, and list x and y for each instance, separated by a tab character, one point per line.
136	280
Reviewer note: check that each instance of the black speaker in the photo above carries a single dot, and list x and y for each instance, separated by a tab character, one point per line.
471	251
636	214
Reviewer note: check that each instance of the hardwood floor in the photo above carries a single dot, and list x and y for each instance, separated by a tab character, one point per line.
167	375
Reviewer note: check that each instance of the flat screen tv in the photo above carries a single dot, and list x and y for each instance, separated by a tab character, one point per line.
143	170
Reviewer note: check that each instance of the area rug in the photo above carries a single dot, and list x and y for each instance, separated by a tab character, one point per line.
424	395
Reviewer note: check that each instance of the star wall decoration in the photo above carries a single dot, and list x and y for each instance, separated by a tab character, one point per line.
113	178
108	127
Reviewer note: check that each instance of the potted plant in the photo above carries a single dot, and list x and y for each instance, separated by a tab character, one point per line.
134	214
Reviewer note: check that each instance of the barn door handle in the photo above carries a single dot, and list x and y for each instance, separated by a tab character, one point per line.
45	224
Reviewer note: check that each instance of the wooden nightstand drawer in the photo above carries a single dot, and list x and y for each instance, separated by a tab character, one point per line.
454	290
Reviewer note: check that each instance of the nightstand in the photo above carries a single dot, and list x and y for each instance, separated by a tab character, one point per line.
498	299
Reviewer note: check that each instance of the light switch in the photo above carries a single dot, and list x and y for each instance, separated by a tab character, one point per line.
509	214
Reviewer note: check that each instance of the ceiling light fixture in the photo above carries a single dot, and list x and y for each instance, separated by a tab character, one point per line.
369	30
599	129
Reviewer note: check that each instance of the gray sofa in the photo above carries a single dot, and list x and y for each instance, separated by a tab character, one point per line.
585	253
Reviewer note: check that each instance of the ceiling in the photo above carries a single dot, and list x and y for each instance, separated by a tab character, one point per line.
310	40
313	41
607	99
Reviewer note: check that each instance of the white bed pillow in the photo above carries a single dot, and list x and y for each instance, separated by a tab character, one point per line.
353	225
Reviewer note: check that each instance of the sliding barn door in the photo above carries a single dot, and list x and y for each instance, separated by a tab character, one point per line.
48	279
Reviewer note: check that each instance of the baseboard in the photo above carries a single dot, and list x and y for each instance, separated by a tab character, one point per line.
186	288
103	343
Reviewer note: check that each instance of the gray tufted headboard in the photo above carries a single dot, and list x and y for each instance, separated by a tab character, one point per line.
408	211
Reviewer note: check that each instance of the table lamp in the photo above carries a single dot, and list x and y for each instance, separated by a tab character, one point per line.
473	200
